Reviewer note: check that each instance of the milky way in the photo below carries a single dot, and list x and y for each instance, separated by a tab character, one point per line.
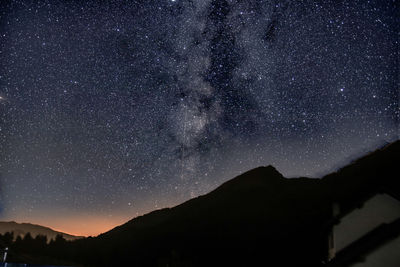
112	109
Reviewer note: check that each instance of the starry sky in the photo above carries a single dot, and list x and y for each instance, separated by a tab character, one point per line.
111	109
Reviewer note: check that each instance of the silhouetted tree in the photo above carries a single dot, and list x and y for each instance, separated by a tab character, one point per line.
57	246
7	239
41	240
28	243
18	244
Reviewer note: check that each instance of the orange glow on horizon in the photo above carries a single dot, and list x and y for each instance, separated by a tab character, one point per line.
78	224
83	225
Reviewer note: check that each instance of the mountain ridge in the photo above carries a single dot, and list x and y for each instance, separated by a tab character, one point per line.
254	177
251	204
21	229
258	216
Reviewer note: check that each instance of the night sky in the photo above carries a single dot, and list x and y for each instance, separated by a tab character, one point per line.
111	109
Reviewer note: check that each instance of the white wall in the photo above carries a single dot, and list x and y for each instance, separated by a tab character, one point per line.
386	256
382	208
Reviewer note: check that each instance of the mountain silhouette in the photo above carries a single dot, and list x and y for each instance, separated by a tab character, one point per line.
258	218
21	229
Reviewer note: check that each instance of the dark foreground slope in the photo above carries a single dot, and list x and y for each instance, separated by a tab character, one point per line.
256	219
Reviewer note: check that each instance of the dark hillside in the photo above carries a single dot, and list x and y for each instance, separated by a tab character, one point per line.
257	218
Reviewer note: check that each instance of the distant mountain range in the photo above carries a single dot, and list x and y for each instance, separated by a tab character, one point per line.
259	218
21	229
